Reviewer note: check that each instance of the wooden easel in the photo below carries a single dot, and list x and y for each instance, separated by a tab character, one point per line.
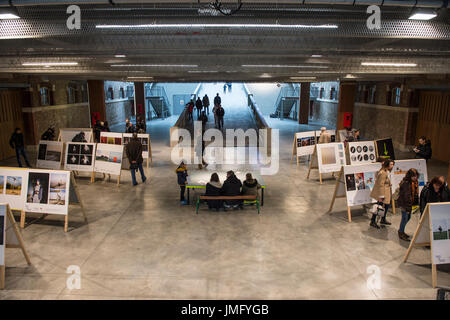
16	243
91	140
73	183
150	151
339	183
294	150
314	164
422	238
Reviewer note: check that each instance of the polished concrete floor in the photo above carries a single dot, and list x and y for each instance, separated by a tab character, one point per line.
140	243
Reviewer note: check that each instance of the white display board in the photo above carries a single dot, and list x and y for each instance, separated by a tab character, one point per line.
48	191
332	133
359	182
67	134
2	234
79	156
49	155
111	138
13	187
144	138
362	152
108	158
330	156
440	232
305	142
402	166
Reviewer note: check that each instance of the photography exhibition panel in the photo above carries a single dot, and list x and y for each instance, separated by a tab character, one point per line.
47	191
440	232
144	139
111	137
305	142
13	187
49	155
402	166
385	149
75	135
108	158
359	182
80	156
330	156
362	152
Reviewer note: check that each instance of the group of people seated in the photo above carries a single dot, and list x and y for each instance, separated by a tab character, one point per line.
232	186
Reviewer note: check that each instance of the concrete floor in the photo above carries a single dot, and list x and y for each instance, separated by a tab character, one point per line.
141	244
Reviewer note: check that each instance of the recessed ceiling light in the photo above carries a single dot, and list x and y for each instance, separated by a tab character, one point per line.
280	66
270	26
120	56
303	78
45	64
388	64
423	14
316	56
200	71
156	65
9	13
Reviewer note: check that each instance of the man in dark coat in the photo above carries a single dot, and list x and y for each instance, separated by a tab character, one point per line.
217	99
206	103
220	112
199	107
431	193
134	154
232	187
17	142
423	150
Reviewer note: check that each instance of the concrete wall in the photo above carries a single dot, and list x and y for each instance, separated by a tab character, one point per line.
325	111
379	121
118	110
177	88
266	95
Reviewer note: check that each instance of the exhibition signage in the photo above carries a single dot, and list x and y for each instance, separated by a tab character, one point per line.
108	158
80	156
332	134
434	231
111	137
305	142
362	152
144	139
49	155
330	156
75	134
13	187
402	166
385	149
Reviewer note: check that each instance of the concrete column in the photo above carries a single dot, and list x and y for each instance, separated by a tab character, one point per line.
139	100
347	92
303	109
96	91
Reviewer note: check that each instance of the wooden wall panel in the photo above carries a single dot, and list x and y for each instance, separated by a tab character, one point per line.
10	118
434	122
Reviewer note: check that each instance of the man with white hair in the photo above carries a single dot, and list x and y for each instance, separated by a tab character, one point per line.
325	137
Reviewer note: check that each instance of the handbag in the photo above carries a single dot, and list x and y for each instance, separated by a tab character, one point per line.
134	166
378	209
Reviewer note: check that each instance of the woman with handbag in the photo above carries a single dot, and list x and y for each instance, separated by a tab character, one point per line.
382	192
408	197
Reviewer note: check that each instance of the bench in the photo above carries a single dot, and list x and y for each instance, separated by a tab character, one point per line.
247	199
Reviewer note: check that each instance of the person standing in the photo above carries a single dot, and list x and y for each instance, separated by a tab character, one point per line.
382	191
217	100
199	106
220	113
131	128
324	137
134	154
445	192
17	142
214	111
127	124
190	110
408	197
206	104
354	136
423	150
431	193
225	88
182	175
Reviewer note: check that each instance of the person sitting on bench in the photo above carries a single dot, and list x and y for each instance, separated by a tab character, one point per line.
232	187
213	188
250	186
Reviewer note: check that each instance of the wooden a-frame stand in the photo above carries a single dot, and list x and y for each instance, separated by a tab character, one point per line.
294	152
340	183
314	165
19	244
73	183
422	238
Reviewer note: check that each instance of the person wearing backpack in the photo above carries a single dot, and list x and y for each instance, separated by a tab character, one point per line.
408	196
220	113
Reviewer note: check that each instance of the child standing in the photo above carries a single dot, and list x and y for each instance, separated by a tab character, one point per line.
182	181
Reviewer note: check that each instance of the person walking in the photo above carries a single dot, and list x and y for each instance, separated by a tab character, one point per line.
190	110
134	154
225	88
423	150
217	100
324	137
17	142
220	113
213	188
182	175
199	106
214	111
431	193
408	197
382	192
206	104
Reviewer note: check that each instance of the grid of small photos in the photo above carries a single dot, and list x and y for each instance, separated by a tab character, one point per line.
80	154
361	153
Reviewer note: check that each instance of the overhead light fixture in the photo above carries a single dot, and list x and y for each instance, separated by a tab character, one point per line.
388	64
120	56
156	65
280	66
350	76
423	14
9	13
199	71
303	78
140	77
40	64
225	25
316	56
265	75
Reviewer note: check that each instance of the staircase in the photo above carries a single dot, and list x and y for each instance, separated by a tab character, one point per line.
287	99
158	103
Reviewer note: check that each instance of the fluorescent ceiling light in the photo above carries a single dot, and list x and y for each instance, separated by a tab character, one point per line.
269	26
199	71
9	13
316	56
34	64
423	14
303	78
120	56
140	77
280	66
388	64
156	65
